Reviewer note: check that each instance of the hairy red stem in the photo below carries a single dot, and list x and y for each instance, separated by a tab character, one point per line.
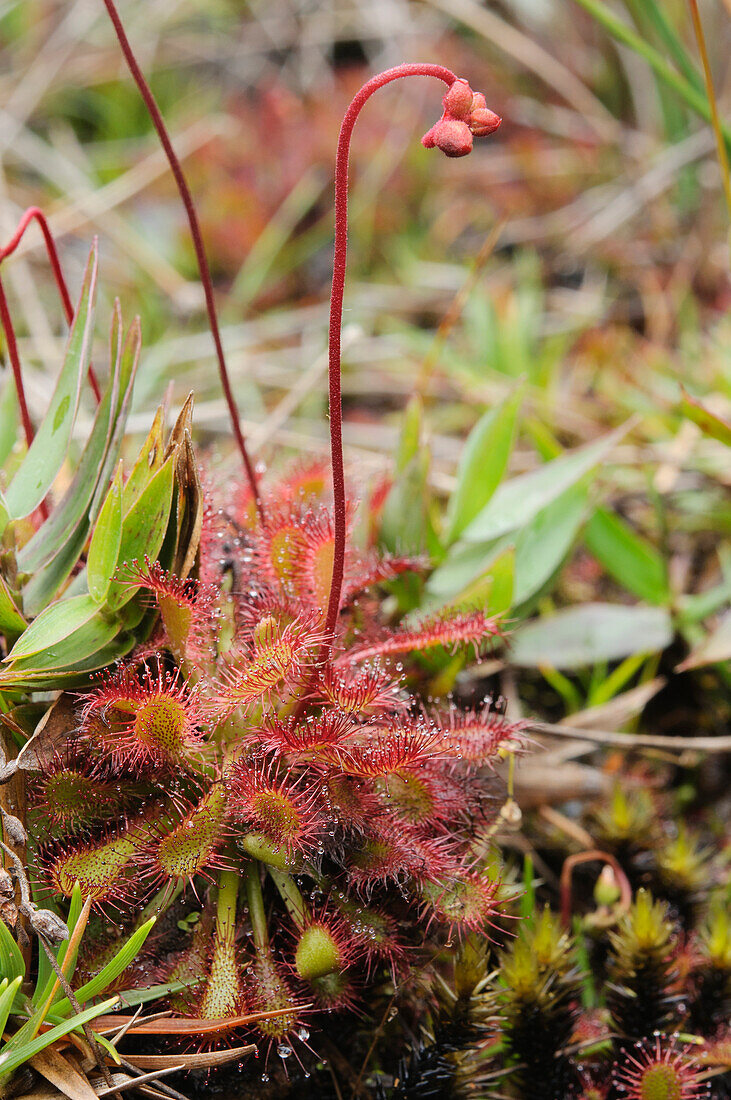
336	317
195	232
34	213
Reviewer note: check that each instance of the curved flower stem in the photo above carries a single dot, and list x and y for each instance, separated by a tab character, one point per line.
195	232
336	317
35	213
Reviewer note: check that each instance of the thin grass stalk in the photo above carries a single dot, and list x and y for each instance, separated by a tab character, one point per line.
711	93
619	30
656	16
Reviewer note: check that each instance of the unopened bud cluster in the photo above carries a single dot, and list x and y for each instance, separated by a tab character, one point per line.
466	116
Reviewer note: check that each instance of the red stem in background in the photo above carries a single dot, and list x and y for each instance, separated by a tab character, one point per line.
33	212
7	323
336	316
195	232
593	856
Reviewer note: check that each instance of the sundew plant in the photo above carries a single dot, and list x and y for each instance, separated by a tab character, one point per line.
260	743
240	794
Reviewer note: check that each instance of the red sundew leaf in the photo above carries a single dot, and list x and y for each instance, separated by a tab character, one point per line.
383	753
151	718
189	844
423	796
284	809
374	933
273	657
304	481
666	1065
352	801
396	852
312	733
188	608
462	628
357	690
465	902
476	737
100	864
375	570
293	553
266	988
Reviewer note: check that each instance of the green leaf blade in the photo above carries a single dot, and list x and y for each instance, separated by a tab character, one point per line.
54	625
517	501
143	528
105	542
483	464
46	453
581	636
627	557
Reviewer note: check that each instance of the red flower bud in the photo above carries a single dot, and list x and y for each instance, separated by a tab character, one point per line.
451	136
483	121
458	100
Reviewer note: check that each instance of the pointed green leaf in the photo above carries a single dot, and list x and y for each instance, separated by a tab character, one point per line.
482	464
148	462
22	676
542	545
83	641
707	421
9	418
116	966
7	996
68	536
58	528
132	997
410	436
627	557
11	959
11	620
44	987
404	517
464	564
493	591
57	622
46	453
517	501
16	1053
105	542
143	527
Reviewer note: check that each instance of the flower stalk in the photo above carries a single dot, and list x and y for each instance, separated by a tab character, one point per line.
464	114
